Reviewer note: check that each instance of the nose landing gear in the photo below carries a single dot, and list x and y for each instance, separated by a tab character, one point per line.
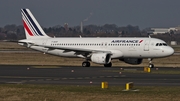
151	65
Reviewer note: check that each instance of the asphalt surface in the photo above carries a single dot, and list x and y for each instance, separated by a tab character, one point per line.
86	75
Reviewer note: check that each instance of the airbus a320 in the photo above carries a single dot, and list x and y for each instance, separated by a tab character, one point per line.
97	50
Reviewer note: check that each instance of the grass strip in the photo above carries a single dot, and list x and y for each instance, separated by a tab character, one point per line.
30	92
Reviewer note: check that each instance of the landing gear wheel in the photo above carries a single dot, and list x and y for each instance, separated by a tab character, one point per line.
151	65
108	65
86	64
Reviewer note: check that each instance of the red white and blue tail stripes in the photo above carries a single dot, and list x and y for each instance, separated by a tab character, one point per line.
31	26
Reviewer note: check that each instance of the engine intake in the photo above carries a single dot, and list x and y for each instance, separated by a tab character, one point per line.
101	58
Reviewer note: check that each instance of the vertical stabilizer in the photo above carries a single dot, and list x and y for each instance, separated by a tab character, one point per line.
32	28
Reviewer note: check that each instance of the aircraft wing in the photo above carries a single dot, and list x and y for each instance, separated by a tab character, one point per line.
77	50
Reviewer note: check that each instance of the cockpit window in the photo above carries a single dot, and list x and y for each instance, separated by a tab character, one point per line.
161	44
164	44
157	44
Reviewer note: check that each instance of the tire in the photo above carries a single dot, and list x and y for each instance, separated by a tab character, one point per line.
151	65
108	65
86	64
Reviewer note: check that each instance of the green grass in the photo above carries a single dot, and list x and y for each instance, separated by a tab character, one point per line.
24	92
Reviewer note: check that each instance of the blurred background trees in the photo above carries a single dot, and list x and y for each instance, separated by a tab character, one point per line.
16	32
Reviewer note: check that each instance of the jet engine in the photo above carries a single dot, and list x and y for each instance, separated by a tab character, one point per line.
101	58
132	61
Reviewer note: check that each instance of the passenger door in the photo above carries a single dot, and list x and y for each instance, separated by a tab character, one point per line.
146	45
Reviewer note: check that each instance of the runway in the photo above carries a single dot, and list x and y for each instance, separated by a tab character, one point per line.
86	75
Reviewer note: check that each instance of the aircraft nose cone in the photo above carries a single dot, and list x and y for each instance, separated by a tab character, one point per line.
170	51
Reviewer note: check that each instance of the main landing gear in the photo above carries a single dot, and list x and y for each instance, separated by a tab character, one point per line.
86	64
151	65
108	65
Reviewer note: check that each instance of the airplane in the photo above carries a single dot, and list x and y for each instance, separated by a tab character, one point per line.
131	50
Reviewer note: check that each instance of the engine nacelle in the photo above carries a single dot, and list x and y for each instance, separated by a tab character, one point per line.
132	61
101	58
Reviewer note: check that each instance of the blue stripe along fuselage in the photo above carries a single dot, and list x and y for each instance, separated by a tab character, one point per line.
36	28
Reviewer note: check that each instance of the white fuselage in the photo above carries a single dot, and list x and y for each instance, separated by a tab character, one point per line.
119	47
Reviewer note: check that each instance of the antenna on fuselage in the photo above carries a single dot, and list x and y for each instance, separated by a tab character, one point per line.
149	36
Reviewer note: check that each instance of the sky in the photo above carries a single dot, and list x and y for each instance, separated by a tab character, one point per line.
142	13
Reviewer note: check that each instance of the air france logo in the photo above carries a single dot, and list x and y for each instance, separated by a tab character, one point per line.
140	41
126	41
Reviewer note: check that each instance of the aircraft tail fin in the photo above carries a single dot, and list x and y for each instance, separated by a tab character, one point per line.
32	28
